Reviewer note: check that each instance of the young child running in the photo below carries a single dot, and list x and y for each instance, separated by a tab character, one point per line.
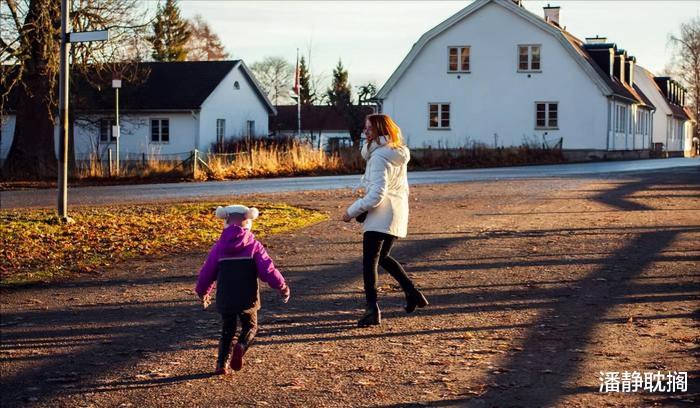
237	242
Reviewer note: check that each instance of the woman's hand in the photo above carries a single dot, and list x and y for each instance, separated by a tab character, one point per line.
347	217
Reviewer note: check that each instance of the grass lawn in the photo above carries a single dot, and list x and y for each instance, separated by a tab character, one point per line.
36	248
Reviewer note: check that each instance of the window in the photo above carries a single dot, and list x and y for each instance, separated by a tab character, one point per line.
620	118
458	60
250	128
160	130
220	131
439	116
236	85
529	58
546	115
106	134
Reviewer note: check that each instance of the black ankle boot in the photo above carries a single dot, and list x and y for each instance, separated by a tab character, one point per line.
224	354
372	317
415	299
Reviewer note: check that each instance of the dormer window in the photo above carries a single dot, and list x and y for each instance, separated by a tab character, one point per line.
236	86
529	58
458	59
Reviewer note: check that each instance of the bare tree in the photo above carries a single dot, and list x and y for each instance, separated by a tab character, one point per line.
29	54
275	75
687	62
204	44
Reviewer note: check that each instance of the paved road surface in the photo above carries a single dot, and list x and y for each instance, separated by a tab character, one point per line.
178	191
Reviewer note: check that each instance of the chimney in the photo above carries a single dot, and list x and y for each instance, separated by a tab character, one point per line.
619	66
675	92
596	40
663	83
630	70
551	14
603	55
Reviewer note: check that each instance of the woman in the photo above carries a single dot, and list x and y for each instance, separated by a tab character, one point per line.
386	206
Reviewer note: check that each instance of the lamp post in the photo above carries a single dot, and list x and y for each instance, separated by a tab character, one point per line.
63	91
116	130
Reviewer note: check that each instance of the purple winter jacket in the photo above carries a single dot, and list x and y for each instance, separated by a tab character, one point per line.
236	242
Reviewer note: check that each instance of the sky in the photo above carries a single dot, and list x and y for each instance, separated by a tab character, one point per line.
373	37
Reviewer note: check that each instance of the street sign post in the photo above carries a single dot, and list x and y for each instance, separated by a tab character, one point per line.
63	90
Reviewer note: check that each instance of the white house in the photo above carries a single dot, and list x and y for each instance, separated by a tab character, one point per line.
175	108
498	74
673	121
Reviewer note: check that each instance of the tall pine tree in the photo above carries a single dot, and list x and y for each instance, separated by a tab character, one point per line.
308	94
340	93
170	34
340	97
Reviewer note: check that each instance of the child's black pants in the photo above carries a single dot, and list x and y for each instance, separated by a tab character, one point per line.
376	247
249	328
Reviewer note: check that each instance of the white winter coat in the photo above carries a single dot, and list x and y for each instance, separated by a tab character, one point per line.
386	191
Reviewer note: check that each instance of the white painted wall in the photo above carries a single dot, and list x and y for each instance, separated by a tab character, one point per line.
135	140
494	98
235	106
136	135
667	130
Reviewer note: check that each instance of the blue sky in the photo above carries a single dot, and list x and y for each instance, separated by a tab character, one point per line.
372	37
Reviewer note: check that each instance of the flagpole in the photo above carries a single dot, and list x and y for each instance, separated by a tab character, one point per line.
298	87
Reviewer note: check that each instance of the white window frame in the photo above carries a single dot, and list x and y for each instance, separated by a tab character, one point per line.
160	131
220	131
621	114
110	133
460	68
529	68
440	111
547	113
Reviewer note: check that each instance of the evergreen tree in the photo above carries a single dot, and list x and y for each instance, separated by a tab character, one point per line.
340	93
170	34
340	97
308	94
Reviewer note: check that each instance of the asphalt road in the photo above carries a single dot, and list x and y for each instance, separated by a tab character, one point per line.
105	195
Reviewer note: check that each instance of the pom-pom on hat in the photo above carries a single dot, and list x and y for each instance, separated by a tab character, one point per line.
248	213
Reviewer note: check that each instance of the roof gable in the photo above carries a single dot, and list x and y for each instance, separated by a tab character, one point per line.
166	86
517	10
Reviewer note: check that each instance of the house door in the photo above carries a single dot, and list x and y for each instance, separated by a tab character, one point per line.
250	128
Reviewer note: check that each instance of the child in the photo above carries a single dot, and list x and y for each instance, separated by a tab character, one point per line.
237	241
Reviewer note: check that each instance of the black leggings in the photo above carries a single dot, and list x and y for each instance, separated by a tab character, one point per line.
376	247
249	328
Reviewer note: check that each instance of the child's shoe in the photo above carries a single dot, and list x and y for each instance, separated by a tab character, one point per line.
237	359
221	371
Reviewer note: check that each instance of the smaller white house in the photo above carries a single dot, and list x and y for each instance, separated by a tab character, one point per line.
174	108
673	121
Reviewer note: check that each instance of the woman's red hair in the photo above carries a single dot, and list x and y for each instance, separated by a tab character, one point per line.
384	126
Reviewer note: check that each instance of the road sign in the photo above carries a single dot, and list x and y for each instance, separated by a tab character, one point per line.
88	36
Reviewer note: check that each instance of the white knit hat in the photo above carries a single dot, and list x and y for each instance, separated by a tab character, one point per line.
249	213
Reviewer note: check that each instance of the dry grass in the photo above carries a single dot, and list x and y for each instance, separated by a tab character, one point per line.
151	167
264	160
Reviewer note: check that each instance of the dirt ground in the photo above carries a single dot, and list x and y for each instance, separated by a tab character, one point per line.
536	286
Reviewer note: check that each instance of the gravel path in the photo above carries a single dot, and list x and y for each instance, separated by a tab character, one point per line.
535	287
